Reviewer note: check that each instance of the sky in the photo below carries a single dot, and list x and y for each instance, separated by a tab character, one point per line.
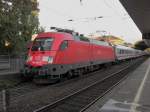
101	17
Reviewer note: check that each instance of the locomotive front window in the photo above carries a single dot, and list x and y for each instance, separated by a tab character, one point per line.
42	44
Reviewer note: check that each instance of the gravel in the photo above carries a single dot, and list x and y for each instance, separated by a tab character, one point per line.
32	100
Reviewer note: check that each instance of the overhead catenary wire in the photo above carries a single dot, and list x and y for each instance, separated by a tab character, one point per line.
110	6
56	12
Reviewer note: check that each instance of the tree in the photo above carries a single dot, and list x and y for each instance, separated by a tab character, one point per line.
140	45
18	21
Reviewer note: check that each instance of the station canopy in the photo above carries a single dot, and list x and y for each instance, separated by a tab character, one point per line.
139	10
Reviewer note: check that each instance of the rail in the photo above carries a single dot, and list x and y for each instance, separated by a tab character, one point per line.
85	97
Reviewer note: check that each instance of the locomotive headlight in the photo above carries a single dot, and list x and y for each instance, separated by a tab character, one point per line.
47	59
29	58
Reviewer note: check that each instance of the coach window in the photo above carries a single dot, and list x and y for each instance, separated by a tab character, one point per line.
64	45
120	51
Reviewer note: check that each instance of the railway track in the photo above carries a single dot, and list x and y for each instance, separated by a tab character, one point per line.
27	97
22	88
83	98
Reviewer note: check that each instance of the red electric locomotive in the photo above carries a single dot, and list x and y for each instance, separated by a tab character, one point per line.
54	55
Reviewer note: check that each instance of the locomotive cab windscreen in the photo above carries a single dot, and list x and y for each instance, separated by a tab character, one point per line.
42	44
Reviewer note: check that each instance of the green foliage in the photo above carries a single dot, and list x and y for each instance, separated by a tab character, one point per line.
140	45
17	24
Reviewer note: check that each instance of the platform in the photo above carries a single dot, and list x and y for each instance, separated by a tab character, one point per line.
131	95
7	74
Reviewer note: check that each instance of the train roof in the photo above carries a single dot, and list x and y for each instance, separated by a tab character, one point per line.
98	42
56	35
71	35
124	47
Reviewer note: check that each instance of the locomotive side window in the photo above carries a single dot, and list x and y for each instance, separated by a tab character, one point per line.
84	39
98	42
42	44
76	38
64	45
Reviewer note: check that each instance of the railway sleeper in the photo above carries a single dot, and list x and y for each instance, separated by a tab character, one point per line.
60	110
84	97
71	107
74	104
66	109
83	101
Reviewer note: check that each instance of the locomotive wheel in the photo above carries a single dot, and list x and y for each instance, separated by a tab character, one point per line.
77	72
69	75
91	68
85	70
81	71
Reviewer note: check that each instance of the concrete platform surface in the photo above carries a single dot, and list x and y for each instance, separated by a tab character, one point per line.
131	95
6	74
